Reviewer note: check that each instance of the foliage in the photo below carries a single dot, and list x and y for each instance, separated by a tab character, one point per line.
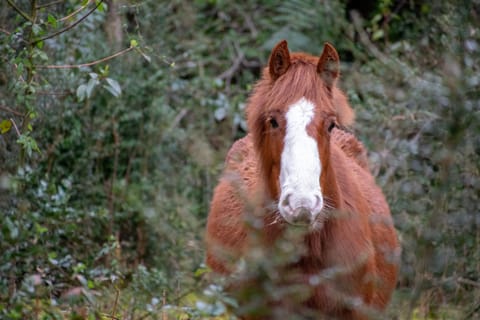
114	131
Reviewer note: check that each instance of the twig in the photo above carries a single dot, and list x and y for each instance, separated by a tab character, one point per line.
19	11
49	4
164	303
5	31
15	126
468	281
111	191
228	74
70	26
12	111
53	93
114	310
178	118
395	11
110	316
75	12
70	66
470	314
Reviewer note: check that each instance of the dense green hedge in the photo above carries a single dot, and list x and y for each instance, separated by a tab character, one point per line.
107	170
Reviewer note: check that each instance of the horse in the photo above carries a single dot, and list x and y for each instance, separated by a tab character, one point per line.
300	166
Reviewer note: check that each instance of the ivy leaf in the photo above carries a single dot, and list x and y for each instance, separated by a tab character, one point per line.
113	87
5	126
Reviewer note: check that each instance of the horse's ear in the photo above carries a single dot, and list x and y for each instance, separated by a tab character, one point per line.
329	65
279	60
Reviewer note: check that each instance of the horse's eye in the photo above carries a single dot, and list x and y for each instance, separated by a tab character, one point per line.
331	126
273	123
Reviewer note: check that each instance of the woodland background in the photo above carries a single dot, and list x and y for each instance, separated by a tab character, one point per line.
115	118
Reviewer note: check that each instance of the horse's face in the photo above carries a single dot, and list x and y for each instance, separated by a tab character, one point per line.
292	132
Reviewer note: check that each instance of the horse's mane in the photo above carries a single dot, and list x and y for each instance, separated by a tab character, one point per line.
350	145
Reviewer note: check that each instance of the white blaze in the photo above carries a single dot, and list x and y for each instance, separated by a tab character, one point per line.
300	165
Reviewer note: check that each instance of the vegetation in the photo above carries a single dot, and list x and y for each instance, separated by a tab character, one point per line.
115	117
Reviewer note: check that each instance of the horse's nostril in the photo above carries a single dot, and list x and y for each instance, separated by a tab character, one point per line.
286	201
302	215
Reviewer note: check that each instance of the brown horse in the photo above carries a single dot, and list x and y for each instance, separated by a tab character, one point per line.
299	156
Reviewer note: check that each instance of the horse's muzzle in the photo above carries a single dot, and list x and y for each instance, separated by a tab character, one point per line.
300	210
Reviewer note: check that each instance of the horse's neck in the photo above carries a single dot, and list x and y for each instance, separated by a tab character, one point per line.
331	189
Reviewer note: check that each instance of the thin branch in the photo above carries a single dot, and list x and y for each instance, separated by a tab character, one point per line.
53	93
46	5
469	282
5	31
12	111
70	26
114	310
75	12
70	66
15	126
19	11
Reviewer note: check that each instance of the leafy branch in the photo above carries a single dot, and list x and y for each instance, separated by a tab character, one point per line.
69	26
4	108
75	12
20	11
70	66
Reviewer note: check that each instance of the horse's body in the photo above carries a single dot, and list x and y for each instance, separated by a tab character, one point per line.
297	156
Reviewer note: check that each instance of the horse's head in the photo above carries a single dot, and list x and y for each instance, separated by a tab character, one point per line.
291	114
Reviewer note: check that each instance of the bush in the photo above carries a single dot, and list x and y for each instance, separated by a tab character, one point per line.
108	169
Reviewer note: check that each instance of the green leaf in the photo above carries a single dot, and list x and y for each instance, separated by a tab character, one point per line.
37	53
82	92
92	83
52	20
113	87
5	126
102	7
40	229
36	29
377	35
133	43
28	144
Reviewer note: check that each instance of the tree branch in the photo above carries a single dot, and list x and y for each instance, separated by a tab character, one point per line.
5	31
46	5
75	12
10	110
70	26
70	66
15	126
19	11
